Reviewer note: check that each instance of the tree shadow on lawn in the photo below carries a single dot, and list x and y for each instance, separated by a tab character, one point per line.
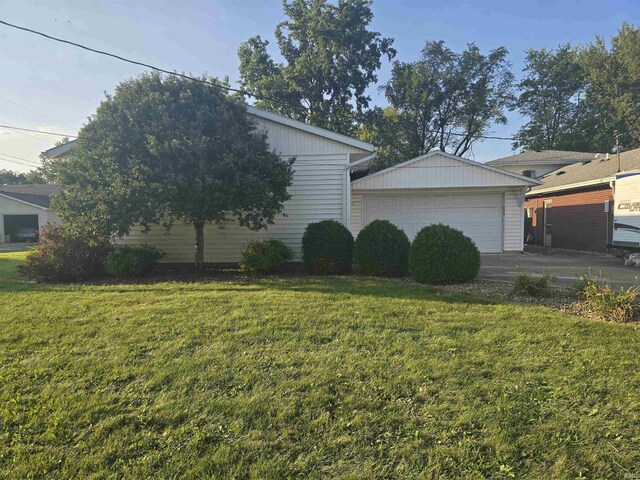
339	286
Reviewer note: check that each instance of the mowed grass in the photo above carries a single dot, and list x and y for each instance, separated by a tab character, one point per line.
308	378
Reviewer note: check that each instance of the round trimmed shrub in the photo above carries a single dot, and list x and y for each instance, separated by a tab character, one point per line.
327	248
265	256
381	249
441	255
132	261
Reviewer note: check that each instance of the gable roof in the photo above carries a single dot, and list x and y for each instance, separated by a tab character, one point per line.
321	132
543	156
258	112
594	172
507	177
34	194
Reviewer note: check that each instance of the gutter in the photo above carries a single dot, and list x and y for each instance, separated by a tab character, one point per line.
571	186
346	206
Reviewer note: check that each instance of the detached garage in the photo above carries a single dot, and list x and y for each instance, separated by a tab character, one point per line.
484	202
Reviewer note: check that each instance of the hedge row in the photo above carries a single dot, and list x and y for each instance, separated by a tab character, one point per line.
438	255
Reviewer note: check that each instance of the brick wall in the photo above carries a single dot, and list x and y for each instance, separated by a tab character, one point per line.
579	220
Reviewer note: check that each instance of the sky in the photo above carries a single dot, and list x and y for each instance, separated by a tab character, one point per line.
49	86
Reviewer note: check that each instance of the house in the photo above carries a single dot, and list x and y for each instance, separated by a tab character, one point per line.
331	181
573	207
537	163
24	210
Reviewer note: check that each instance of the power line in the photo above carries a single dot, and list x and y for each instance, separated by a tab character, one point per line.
134	62
17	162
30	110
200	80
11	127
18	158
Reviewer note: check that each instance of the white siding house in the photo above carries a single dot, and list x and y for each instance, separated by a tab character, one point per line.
483	201
486	203
319	191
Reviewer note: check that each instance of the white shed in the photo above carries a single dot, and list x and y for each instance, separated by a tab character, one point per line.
484	202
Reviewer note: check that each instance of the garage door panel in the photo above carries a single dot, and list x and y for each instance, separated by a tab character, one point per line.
478	216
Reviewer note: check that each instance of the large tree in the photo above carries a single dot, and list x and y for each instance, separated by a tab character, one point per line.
446	100
164	150
330	57
612	100
551	97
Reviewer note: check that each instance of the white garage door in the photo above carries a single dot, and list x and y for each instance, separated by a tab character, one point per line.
479	216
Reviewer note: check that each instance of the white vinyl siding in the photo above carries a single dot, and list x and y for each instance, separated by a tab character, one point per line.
514	220
317	193
439	171
479	215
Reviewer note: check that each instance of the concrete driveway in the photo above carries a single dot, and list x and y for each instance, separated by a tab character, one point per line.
566	267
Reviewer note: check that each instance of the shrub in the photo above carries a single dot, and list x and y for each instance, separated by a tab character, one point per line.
131	261
381	249
612	305
327	248
533	286
64	256
441	255
265	256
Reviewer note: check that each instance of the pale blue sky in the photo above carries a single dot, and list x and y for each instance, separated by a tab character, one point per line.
50	86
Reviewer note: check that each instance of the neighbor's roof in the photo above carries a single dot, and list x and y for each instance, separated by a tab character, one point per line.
593	172
258	112
60	149
35	194
543	156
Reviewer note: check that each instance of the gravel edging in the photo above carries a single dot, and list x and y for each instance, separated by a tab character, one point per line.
562	299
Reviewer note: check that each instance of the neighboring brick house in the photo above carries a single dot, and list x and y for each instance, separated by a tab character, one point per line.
573	208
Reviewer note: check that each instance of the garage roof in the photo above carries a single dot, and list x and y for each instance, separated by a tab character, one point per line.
441	170
34	194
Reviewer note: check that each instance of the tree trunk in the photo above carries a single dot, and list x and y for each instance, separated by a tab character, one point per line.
199	258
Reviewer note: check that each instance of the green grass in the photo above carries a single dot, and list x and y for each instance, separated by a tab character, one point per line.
307	378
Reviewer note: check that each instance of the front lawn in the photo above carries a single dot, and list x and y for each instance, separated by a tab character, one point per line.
308	378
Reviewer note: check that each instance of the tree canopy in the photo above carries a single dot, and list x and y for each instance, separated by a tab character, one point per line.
9	177
551	97
445	100
330	58
581	98
164	149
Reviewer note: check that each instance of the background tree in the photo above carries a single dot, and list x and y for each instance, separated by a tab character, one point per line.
167	149
330	58
9	177
446	100
612	100
551	96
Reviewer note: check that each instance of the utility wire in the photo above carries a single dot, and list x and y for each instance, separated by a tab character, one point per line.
11	127
18	158
31	110
17	162
134	62
199	80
